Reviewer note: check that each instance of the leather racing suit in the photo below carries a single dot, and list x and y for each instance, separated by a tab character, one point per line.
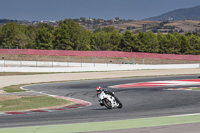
109	93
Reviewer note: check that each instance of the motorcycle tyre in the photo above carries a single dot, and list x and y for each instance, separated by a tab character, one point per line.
105	103
120	105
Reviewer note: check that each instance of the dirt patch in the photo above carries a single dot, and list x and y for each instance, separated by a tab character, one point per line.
114	60
2	91
6	98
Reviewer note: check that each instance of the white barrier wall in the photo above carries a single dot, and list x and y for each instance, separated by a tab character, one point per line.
49	64
82	67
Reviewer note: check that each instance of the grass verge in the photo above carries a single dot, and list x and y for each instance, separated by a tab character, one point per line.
32	102
13	88
196	89
108	125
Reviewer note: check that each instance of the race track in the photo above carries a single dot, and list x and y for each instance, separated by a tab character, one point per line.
139	102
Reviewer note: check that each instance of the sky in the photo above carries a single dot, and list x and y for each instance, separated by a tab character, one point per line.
55	10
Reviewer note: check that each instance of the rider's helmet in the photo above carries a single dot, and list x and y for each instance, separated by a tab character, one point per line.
99	89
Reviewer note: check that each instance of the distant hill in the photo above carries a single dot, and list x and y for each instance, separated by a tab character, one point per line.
3	21
179	14
180	26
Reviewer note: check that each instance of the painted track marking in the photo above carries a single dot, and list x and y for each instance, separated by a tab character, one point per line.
159	83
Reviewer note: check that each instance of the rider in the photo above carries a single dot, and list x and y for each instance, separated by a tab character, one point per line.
99	90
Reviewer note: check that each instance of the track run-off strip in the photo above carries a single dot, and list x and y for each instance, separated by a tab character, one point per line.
159	83
74	106
108	125
77	104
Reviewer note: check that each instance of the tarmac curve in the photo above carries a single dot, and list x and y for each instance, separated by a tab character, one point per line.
138	102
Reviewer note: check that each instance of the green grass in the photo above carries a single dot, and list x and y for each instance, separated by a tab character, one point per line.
13	88
26	103
108	125
195	88
33	102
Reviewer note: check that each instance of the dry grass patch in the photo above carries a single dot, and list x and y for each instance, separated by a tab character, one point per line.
5	98
19	73
30	103
192	21
173	24
13	88
2	91
115	60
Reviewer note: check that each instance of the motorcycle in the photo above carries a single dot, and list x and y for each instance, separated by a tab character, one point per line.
108	101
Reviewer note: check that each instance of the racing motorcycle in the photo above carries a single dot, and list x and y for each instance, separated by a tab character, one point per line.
108	101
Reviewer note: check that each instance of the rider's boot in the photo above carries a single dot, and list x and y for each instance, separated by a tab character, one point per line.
101	103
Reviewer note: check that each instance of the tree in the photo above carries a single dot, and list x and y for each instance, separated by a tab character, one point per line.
83	19
44	36
184	41
1	36
75	31
194	44
174	45
97	30
31	32
115	39
76	34
127	41
101	41
117	18
61	37
13	35
163	42
85	40
109	29
151	42
69	35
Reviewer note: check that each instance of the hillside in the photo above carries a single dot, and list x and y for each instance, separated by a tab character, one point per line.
181	26
179	14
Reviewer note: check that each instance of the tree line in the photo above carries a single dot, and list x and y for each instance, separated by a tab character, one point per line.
69	35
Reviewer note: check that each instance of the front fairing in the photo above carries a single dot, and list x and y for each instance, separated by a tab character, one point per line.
100	96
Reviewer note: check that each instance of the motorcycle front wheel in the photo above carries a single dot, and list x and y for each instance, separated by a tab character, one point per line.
107	103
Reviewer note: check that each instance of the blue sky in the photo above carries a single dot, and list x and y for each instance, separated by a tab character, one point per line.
106	9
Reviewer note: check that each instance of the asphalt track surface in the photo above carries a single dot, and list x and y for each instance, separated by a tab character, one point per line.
137	102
